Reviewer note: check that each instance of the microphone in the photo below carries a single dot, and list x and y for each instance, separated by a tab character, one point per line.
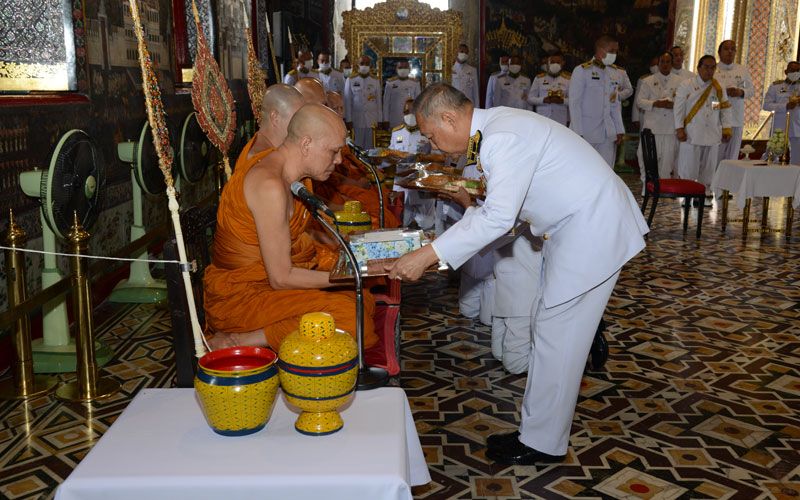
359	152
299	190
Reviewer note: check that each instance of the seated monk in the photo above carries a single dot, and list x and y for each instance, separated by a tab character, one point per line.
278	106
266	270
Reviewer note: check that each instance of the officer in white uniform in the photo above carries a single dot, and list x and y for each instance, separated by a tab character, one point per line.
303	69
738	85
512	89
702	121
418	206
656	98
783	97
332	79
504	60
550	91
362	103
465	76
636	113
538	171
346	68
517	269
677	64
398	89
595	91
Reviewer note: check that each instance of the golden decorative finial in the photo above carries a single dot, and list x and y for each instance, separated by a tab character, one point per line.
77	234
15	235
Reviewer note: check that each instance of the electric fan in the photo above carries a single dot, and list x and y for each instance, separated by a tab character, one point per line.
72	184
146	178
194	151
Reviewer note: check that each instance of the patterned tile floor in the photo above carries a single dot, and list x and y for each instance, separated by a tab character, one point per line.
700	397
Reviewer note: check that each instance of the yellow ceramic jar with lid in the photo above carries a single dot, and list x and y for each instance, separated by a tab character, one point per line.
318	369
352	218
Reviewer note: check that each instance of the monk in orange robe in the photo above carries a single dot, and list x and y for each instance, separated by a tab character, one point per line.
267	271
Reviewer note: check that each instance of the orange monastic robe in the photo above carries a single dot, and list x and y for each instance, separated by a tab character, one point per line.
238	296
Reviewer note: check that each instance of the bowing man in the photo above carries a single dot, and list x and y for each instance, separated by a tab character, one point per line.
574	199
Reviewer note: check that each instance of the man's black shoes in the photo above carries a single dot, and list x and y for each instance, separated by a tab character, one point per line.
507	449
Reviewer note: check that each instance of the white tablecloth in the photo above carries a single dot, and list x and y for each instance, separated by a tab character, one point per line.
748	179
162	448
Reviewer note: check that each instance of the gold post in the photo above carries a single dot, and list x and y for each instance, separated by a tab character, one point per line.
764	210
745	218
219	172
24	384
88	386
725	194
789	216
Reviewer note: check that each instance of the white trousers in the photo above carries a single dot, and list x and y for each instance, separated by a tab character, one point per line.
730	150
562	338
476	297
608	150
511	342
697	163
666	152
362	136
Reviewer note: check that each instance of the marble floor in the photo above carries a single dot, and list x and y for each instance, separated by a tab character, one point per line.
700	397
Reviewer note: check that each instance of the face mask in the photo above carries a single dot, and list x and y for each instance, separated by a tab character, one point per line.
543	67
554	68
793	76
410	119
324	66
504	68
462	57
514	69
309	64
347	72
609	58
363	70
403	72
653	70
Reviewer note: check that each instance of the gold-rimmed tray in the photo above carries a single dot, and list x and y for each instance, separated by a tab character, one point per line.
440	182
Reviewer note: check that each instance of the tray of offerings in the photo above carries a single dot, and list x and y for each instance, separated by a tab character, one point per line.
388	155
440	182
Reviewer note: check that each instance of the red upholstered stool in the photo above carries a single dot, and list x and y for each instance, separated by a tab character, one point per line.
668	188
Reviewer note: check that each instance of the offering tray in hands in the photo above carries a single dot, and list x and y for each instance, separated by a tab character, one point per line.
405	169
440	182
381	155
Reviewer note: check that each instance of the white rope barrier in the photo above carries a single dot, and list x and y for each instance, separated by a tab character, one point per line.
98	257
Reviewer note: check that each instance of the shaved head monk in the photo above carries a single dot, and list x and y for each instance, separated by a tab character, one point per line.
278	106
312	91
336	102
267	271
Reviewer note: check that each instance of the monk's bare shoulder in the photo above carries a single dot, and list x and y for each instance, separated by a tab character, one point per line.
263	185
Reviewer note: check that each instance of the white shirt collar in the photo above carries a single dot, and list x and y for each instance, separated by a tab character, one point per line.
479	117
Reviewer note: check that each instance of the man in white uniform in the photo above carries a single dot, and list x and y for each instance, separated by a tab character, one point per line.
656	98
304	68
346	68
398	89
702	120
362	103
595	92
550	91
783	97
512	89
636	112
332	79
677	64
418	206
538	171
465	76
504	60
738	85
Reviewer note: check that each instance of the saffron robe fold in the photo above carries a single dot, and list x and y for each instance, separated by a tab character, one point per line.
238	295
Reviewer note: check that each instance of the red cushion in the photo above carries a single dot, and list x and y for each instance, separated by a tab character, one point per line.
678	186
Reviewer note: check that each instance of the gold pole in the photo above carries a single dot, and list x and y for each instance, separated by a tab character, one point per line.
24	383
789	216
88	386
272	50
745	218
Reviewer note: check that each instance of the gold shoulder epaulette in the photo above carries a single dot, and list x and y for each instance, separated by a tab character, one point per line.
566	74
391	78
617	67
587	64
541	75
292	72
399	127
776	82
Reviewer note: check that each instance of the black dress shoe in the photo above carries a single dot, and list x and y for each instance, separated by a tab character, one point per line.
499	440
516	453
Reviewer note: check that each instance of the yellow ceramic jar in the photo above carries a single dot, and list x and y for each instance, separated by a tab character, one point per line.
352	218
318	368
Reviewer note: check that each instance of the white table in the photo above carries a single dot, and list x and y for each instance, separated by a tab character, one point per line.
162	448
749	179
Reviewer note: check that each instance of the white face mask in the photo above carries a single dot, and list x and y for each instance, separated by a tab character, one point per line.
609	58
554	68
363	70
410	120
462	57
653	70
514	69
347	72
793	76
504	68
324	66
403	72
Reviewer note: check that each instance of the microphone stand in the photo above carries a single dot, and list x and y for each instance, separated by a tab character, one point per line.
359	153
369	377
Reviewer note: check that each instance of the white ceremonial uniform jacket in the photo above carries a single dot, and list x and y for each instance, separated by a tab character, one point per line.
394	97
539	171
636	112
542	85
490	89
713	115
655	88
683	74
410	141
362	101
333	81
291	77
465	79
737	76
775	100
512	92
595	110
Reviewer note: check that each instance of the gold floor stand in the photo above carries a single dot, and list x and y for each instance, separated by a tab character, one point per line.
104	387
42	384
